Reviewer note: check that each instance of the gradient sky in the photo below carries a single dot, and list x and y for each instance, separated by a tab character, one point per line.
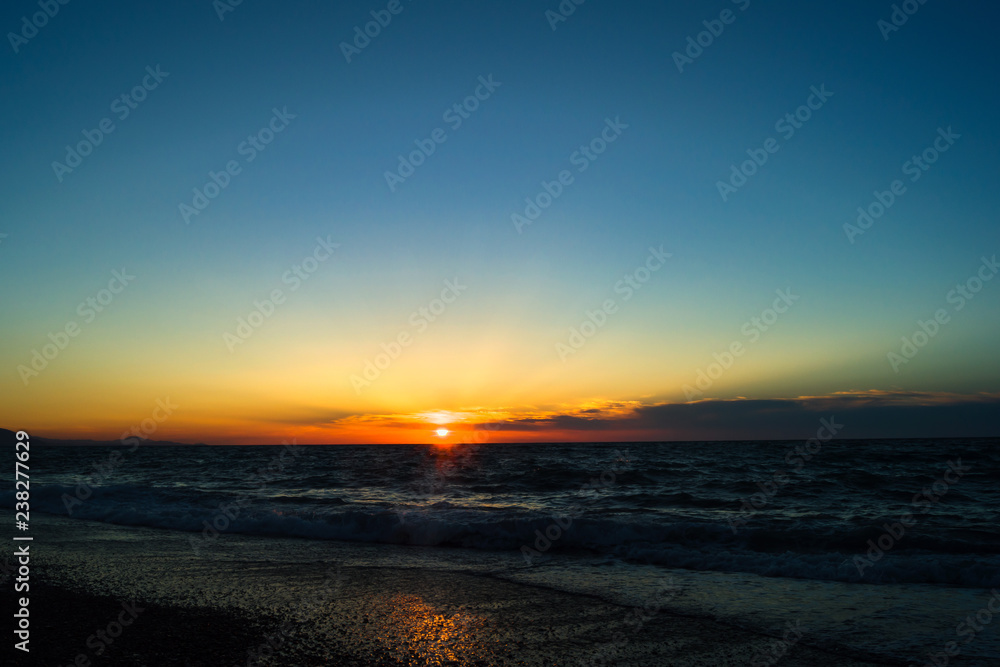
491	358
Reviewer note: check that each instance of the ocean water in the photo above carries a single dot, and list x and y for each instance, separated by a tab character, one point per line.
880	547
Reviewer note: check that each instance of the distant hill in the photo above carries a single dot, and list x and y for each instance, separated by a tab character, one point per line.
7	436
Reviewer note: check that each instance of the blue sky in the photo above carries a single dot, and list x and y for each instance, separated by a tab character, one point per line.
324	175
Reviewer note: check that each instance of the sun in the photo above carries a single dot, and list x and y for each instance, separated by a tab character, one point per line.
442	432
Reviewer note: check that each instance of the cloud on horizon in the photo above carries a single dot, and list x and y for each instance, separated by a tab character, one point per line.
864	414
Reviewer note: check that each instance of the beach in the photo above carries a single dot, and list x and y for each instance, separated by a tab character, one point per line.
500	334
585	554
259	600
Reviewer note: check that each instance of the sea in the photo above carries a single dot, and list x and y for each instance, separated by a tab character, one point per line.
881	548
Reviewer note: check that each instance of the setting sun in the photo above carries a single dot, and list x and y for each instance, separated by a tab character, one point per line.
693	400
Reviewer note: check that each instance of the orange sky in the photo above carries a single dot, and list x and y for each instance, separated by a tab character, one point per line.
862	414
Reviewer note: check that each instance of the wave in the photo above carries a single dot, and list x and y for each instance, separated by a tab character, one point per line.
818	549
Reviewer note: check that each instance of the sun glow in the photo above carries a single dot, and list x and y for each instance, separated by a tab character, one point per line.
442	432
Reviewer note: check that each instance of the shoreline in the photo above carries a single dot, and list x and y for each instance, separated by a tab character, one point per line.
395	625
326	603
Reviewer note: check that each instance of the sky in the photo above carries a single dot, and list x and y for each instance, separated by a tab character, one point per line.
517	221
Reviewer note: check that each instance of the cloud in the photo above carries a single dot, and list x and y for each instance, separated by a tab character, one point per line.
866	414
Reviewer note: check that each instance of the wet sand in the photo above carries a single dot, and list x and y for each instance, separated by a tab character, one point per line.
389	618
234	606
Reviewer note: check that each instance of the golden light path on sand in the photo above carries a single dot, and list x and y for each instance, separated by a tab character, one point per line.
420	634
